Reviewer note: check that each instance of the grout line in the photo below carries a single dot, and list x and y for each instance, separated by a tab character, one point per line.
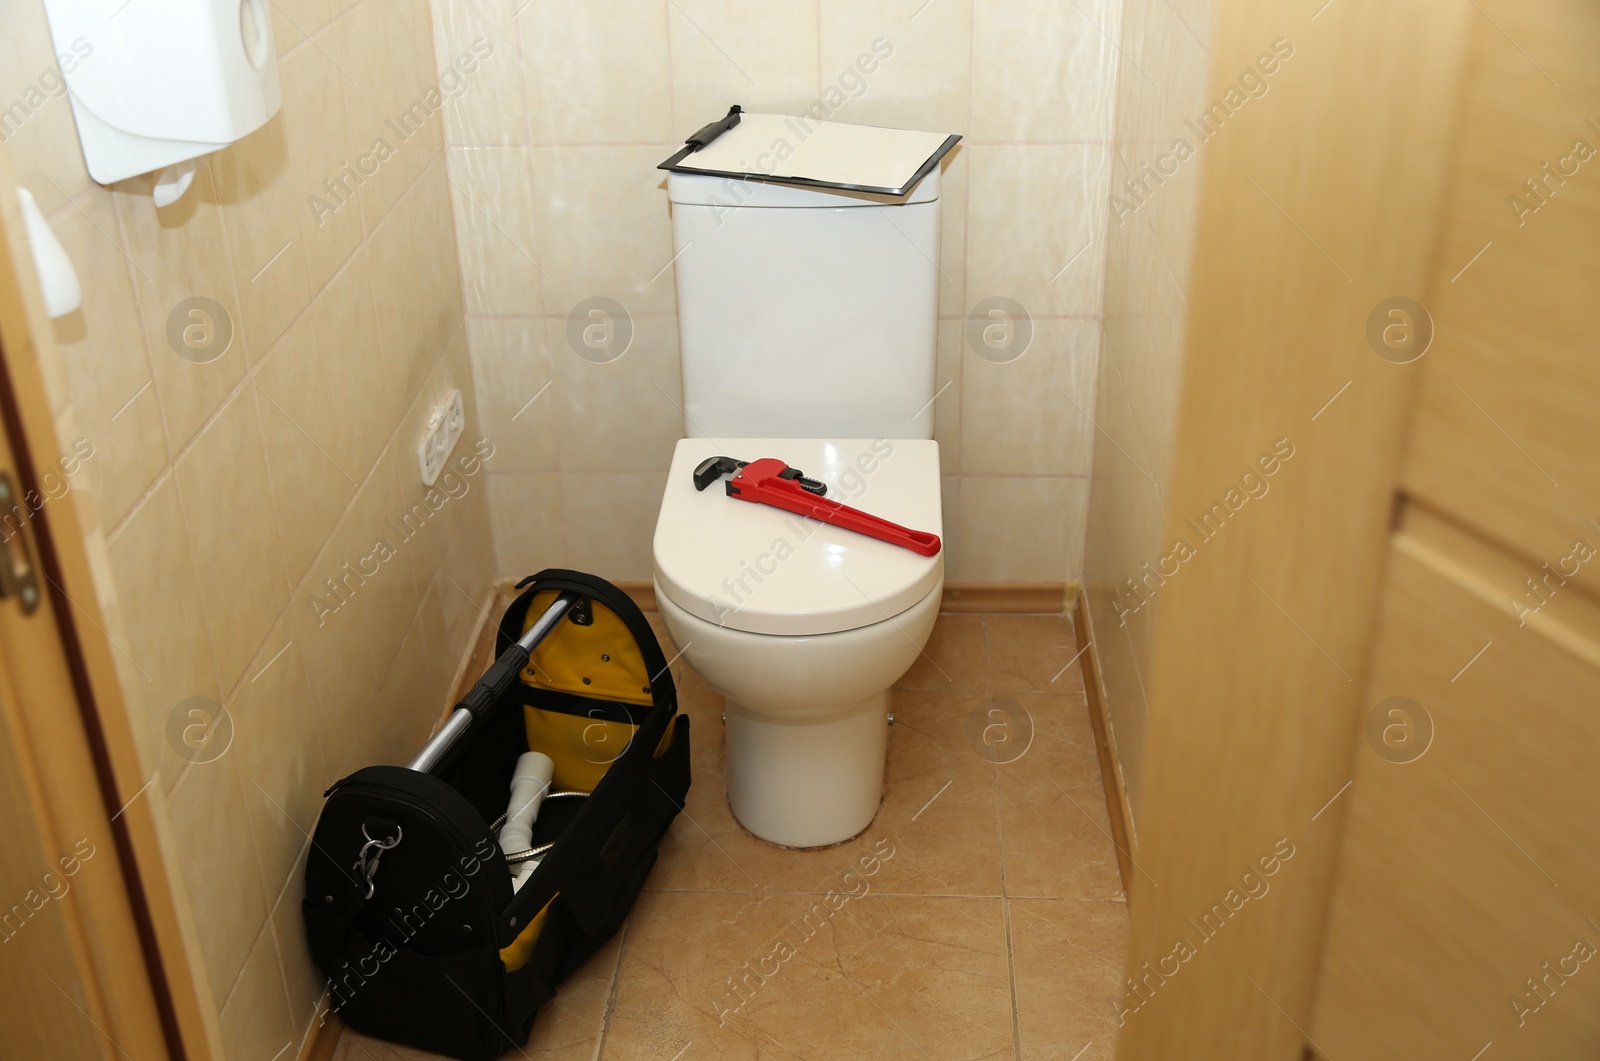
1000	842
611	996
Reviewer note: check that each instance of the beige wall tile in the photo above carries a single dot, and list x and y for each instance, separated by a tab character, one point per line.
604	228
493	199
725	52
338	659
384	52
441	665
233	527
180	253
402	714
317	393
484	98
463	604
214	852
1147	278
107	367
595	71
609	521
416	286
526	512
1054	268
950	513
256	1025
328	215
303	981
1032	415
921	84
1021	530
514	376
1043	72
157	624
294	20
41	137
353	610
392	592
947	383
281	769
469	563
953	233
260	199
621	415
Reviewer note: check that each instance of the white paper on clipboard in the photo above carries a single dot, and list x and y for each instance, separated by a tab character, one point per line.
817	154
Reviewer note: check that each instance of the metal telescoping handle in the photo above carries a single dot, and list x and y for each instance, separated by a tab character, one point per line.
493	685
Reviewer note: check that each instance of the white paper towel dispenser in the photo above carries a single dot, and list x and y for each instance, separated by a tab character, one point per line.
165	80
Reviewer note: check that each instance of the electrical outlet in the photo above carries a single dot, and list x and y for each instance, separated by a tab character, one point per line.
440	438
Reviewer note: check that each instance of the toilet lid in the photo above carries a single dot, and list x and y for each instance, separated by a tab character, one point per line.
754	567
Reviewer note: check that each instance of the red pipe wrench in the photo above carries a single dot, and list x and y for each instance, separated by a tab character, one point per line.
769	481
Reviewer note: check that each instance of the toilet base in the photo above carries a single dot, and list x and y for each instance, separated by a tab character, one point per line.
807	782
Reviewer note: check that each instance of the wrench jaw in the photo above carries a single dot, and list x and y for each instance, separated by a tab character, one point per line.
711	469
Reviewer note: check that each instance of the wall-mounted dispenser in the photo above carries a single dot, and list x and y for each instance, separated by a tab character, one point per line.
160	81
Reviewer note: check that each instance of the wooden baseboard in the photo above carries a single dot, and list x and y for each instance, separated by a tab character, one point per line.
323	1040
1048	598
1008	598
642	590
1110	774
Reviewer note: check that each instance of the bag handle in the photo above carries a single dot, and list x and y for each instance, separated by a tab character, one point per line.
663	693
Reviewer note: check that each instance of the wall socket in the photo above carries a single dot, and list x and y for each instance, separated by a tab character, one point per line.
443	432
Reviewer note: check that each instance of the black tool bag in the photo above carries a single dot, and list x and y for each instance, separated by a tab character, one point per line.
409	906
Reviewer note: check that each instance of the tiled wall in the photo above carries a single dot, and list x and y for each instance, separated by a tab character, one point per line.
223	495
552	146
1160	86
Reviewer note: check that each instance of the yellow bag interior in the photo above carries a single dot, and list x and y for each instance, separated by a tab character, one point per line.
601	662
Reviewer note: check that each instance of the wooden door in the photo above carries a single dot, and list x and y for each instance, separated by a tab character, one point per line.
73	978
1465	916
93	961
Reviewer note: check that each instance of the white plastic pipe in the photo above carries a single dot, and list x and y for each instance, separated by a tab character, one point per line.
530	782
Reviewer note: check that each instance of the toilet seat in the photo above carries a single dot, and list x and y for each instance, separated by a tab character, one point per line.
755	568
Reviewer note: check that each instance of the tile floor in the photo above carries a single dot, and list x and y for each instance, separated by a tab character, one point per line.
981	915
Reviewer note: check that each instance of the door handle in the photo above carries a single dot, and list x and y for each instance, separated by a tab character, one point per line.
17	574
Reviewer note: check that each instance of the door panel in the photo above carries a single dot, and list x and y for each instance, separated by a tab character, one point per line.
1508	417
1463	871
39	978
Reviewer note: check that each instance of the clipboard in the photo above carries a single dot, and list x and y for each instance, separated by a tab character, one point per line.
811	153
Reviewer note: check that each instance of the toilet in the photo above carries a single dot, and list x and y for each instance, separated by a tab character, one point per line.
807	327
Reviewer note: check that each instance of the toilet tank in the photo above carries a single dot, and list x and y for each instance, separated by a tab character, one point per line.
805	313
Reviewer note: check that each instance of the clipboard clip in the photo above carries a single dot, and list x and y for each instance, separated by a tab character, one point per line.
710	132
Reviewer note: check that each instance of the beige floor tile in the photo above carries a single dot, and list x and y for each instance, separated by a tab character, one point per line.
1030	652
880	976
1068	957
1055	828
937	820
952	660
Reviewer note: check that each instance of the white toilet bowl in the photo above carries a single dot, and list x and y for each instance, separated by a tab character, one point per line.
802	626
